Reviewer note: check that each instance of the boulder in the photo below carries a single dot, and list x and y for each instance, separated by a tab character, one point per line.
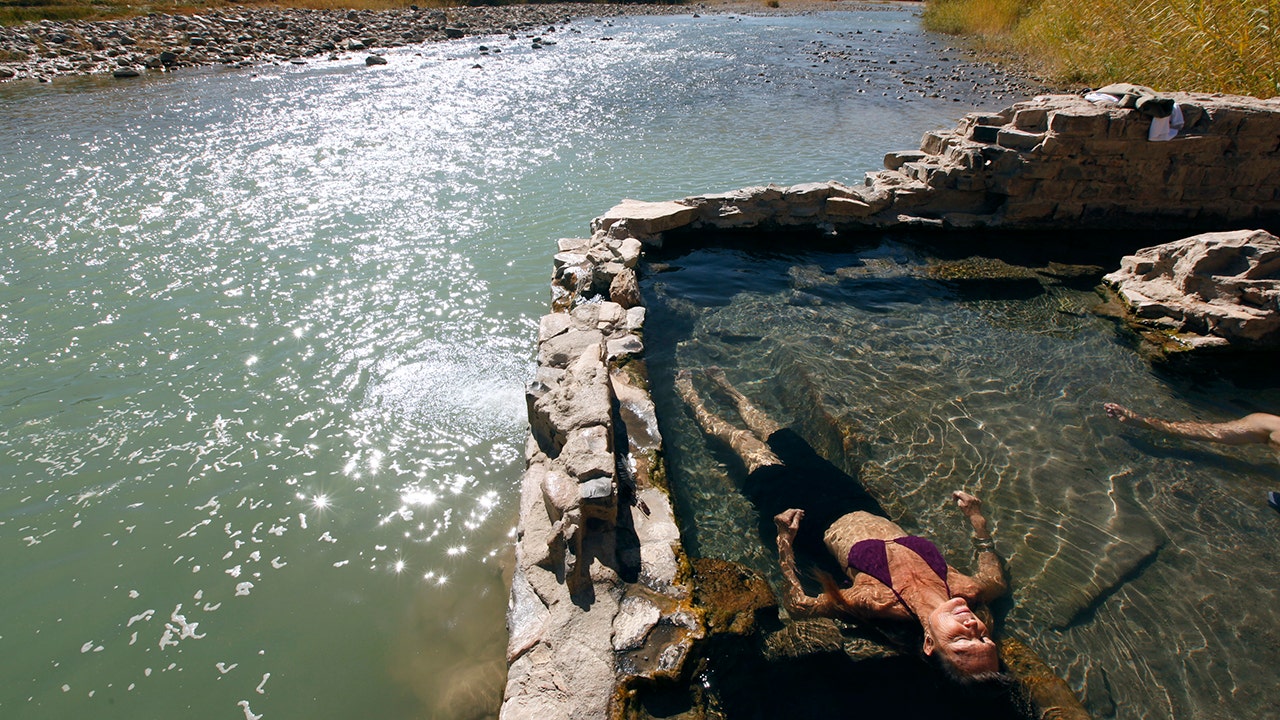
625	289
731	595
1211	290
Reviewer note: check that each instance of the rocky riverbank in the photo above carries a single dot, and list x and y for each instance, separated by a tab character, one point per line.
242	36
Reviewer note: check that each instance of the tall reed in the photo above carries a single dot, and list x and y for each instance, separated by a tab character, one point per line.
1230	46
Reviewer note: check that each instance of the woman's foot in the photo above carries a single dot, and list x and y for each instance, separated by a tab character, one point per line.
716	373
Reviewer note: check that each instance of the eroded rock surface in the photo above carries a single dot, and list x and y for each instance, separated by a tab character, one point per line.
1211	290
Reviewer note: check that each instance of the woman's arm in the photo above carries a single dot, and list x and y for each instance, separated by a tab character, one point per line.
1255	428
990	575
794	599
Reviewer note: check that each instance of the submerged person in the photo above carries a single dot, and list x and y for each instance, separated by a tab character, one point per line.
895	576
1252	429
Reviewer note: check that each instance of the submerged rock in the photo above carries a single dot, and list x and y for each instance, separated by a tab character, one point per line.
730	595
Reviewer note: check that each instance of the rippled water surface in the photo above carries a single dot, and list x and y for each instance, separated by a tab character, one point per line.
265	333
1142	567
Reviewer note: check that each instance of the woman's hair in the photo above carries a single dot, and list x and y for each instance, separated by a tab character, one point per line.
831	589
952	673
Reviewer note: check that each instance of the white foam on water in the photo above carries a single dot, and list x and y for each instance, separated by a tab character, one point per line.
185	629
243	588
224	668
261	685
144	615
248	714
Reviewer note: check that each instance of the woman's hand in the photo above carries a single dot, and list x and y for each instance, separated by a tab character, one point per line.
972	509
788	522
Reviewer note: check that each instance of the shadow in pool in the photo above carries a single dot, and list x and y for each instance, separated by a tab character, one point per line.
736	681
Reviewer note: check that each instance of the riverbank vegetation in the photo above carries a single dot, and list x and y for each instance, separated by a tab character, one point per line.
1230	46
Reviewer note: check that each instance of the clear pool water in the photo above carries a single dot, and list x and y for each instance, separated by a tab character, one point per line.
1142	567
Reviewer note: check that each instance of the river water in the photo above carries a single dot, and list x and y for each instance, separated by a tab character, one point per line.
265	334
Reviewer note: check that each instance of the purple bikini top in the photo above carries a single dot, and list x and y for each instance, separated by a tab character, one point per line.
872	557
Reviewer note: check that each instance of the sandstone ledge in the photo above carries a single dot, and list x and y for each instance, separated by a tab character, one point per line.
1057	161
1210	291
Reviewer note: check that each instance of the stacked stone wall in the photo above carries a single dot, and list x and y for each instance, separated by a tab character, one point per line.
1056	161
601	596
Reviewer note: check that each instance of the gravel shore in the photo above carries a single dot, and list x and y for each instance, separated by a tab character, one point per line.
241	37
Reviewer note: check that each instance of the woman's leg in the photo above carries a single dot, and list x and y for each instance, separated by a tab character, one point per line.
753	451
755	418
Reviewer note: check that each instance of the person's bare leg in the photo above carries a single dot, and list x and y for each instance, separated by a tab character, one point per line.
1255	428
754	453
755	418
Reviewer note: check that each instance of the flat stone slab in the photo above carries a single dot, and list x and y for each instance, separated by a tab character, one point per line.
648	218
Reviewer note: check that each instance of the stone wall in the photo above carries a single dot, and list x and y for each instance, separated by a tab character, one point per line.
1057	161
602	593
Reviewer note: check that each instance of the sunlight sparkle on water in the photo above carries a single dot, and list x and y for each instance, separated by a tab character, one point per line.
418	496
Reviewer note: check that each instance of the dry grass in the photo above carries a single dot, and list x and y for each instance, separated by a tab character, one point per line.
1230	46
974	17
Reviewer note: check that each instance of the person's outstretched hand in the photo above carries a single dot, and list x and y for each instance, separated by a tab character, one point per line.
1119	412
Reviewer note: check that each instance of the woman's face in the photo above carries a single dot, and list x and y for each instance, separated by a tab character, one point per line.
960	638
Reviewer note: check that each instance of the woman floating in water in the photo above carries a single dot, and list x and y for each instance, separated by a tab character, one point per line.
895	575
1256	428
